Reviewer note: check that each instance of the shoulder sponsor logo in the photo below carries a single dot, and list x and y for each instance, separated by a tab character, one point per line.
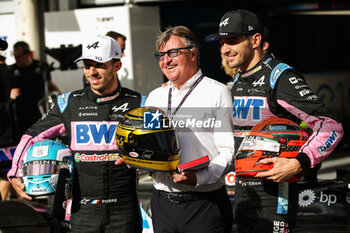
304	92
300	86
328	143
93	135
312	97
293	80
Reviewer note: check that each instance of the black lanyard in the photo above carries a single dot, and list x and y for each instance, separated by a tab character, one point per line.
183	99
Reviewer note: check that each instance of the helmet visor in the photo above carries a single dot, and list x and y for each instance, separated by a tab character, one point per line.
43	167
163	141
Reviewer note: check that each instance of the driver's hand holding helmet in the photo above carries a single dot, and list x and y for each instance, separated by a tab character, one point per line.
147	140
41	167
274	137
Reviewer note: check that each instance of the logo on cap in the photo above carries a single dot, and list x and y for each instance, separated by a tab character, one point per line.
94	45
224	22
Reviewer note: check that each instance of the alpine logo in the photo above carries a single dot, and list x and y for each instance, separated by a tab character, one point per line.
260	82
123	108
224	22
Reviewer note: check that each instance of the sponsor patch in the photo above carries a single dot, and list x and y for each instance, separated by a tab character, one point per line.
328	143
96	158
304	92
93	135
134	154
40	151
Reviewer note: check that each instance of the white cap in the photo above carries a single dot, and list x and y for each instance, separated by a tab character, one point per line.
101	49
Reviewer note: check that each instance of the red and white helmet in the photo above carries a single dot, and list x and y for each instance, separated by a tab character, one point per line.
274	137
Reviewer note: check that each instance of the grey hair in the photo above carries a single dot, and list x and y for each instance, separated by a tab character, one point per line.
184	32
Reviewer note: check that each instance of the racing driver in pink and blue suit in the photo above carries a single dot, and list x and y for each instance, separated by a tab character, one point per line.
104	188
264	88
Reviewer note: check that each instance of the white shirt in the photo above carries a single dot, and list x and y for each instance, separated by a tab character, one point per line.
209	103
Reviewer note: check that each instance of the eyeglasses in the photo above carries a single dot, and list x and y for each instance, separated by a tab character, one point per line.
171	53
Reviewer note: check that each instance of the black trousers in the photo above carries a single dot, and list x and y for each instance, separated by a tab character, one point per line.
257	206
107	218
209	212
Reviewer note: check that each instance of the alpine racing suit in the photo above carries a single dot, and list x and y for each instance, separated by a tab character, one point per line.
271	89
104	195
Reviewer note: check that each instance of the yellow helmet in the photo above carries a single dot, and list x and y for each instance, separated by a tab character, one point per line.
146	139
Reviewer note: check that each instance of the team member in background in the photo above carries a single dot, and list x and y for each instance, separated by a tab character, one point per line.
104	195
266	87
6	131
192	201
28	86
120	38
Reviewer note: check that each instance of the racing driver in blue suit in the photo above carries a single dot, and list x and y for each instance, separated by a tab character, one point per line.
264	88
104	188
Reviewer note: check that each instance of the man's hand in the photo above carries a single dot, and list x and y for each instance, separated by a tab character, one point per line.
186	177
18	185
120	161
283	169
